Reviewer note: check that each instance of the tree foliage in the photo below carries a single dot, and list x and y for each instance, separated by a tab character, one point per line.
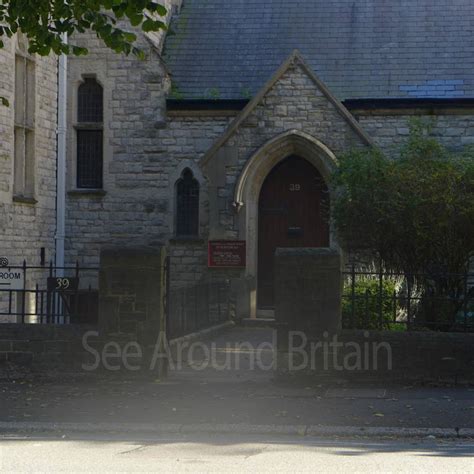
414	212
44	22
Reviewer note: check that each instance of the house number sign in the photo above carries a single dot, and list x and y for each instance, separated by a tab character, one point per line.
295	187
62	284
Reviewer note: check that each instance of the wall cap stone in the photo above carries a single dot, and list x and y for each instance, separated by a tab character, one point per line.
134	256
305	252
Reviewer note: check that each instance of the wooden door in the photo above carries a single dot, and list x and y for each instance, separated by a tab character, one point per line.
293	212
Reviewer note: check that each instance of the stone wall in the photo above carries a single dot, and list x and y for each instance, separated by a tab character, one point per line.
131	292
145	153
77	348
390	131
131	320
427	354
188	262
43	347
308	290
28	225
133	114
381	355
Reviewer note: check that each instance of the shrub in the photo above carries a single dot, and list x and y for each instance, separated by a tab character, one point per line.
367	303
414	214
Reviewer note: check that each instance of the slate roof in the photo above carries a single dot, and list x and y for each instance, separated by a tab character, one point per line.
228	49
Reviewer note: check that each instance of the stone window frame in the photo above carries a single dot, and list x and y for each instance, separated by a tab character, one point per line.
24	105
187	175
85	126
174	177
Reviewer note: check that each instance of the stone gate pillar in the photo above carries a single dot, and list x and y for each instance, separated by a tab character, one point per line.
131	299
308	291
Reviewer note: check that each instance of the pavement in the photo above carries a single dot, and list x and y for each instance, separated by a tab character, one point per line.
232	394
232	453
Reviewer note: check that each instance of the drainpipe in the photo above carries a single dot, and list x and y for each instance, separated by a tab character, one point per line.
61	161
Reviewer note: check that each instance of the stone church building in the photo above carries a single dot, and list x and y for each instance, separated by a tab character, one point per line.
227	134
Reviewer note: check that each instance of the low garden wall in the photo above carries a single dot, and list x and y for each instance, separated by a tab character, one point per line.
419	354
310	339
130	332
43	346
387	355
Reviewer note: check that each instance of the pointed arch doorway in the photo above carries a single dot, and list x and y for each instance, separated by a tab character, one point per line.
293	211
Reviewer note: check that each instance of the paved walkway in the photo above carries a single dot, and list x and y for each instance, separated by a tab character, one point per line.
234	454
201	395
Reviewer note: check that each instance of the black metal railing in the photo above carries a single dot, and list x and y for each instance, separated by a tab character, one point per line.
374	299
48	294
201	305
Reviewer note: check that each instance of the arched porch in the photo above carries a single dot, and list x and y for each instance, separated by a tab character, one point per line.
249	184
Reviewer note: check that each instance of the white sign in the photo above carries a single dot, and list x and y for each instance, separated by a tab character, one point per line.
11	279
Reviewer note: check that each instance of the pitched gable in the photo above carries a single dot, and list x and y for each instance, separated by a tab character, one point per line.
295	97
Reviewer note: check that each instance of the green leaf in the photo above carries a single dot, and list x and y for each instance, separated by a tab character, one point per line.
130	37
151	25
44	23
79	51
135	18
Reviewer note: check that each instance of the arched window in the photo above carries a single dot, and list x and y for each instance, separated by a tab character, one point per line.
89	101
187	205
89	134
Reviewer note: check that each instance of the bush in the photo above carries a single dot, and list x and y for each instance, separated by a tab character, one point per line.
366	303
414	214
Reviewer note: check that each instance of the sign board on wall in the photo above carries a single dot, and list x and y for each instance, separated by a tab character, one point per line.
11	279
226	254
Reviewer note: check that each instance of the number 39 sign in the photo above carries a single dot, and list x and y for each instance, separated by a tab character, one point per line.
62	284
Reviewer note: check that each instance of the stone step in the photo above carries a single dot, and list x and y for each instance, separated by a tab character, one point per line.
258	322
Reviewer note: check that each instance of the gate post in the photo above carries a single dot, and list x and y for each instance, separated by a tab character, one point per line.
308	294
131	300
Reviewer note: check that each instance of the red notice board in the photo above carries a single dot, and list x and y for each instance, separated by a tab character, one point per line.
226	254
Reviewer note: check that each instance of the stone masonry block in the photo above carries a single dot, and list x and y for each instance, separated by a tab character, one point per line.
308	286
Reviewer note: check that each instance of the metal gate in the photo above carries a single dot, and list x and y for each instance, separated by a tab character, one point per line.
195	306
